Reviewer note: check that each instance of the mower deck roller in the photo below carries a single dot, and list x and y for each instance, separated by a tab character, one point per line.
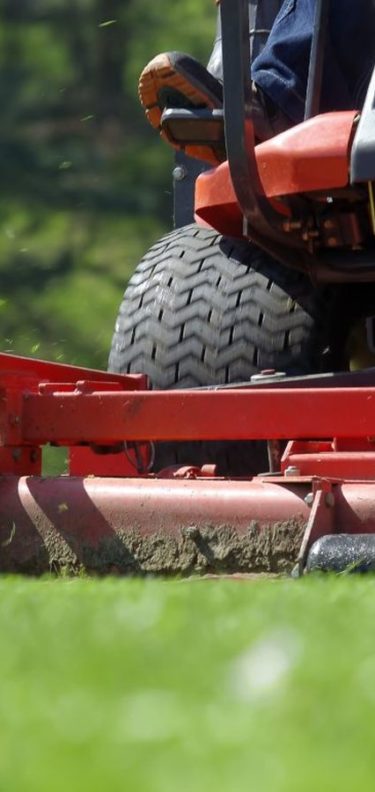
108	514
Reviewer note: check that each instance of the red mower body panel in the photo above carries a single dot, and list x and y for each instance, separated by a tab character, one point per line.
310	157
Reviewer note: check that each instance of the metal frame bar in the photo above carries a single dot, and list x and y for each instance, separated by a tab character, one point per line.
239	132
107	417
19	369
46	402
262	223
315	76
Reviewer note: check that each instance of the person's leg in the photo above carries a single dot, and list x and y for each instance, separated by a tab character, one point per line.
281	70
352	34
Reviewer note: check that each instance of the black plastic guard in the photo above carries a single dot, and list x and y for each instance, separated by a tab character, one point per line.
363	152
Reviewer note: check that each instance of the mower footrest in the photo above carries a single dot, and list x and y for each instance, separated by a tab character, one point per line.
195	127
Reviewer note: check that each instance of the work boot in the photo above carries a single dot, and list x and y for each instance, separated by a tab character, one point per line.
175	80
178	81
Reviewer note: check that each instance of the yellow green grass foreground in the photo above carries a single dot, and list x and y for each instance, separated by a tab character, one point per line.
197	686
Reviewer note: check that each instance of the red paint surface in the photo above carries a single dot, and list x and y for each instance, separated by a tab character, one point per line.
313	156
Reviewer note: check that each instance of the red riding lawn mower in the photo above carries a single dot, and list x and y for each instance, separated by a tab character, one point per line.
254	451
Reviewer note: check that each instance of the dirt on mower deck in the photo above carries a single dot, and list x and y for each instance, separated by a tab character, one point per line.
189	551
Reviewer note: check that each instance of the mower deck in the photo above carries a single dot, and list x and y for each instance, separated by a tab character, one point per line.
108	514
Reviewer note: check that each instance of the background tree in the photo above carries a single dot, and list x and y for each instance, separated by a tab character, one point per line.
85	184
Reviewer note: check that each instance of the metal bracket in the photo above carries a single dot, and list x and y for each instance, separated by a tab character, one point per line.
185	173
321	521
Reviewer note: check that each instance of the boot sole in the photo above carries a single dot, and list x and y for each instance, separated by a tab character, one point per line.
160	73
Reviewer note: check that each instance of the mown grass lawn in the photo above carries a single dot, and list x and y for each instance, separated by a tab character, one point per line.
198	686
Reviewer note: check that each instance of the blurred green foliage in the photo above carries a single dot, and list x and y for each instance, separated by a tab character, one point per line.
85	183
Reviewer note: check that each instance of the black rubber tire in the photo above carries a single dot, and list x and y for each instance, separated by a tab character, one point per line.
202	309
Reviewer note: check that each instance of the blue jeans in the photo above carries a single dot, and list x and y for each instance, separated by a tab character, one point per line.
281	70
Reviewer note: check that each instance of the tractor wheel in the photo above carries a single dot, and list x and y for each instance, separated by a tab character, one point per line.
203	309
